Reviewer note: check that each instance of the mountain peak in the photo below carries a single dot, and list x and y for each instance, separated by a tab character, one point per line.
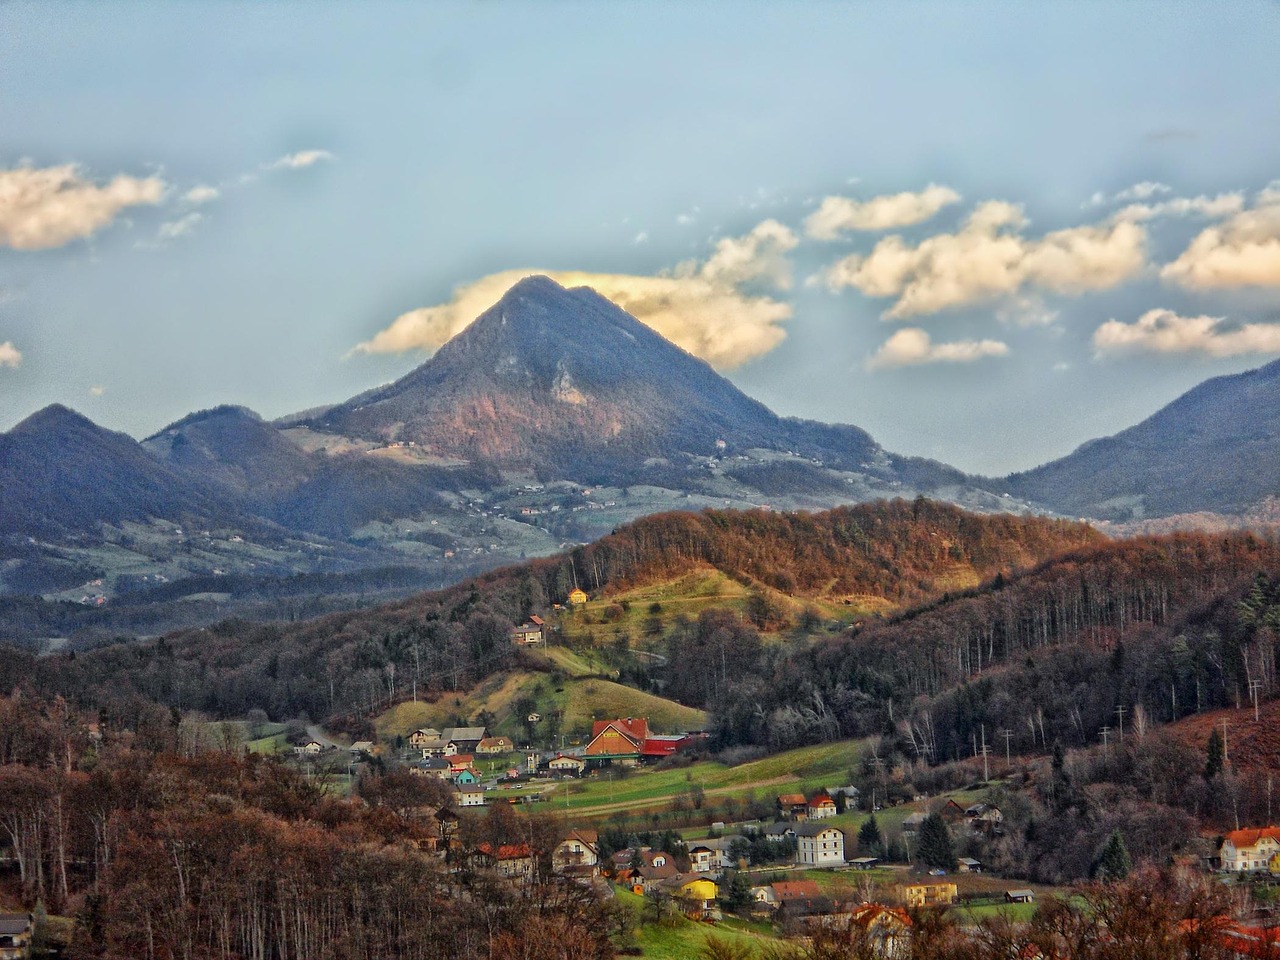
54	418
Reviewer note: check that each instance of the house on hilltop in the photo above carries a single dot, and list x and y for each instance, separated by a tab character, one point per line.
531	634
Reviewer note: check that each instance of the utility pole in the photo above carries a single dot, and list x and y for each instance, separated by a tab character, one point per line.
1008	735
1106	732
1121	711
1255	686
986	770
1224	741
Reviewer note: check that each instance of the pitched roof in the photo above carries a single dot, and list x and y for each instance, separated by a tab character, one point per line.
1251	835
792	799
507	851
870	913
537	621
634	728
815	828
796	889
12	924
463	733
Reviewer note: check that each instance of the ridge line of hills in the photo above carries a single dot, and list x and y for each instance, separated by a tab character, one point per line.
548	421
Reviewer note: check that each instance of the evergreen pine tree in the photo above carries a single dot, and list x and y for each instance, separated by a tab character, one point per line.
869	838
1114	863
1213	755
935	847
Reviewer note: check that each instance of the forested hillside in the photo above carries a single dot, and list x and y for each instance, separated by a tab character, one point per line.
449	639
1159	627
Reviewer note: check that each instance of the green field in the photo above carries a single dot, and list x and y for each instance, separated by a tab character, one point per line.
804	769
681	939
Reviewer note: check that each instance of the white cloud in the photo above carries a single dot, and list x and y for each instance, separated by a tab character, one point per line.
837	215
45	207
684	219
10	356
1026	311
301	159
701	307
97	390
1143	191
1163	331
182	227
1223	205
201	194
988	258
911	347
1240	252
641	238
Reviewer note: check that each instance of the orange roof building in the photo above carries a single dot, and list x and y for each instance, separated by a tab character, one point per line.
1250	849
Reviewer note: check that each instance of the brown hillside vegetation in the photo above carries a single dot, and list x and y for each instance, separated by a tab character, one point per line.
1252	745
451	639
901	550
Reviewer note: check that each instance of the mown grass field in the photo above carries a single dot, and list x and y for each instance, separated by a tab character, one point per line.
804	769
681	939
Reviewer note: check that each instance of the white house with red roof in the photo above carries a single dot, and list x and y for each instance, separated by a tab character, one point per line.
1250	849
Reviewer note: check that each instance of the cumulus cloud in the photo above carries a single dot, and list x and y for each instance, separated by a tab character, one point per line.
708	308
989	258
201	194
300	160
45	207
641	238
912	347
10	356
182	227
1213	208
838	215
1143	191
1242	251
1163	331
97	390
1026	311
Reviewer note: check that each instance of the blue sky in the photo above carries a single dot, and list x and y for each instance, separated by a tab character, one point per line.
1040	222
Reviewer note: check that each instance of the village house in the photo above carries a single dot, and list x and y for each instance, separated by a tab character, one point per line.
362	746
310	749
577	597
819	846
531	634
793	806
695	894
929	894
494	745
820	806
16	930
779	831
985	818
968	865
513	861
800	898
466	739
437	767
1250	849
577	854
886	930
469	795
711	855
466	777
564	765
437	748
913	823
419	737
952	812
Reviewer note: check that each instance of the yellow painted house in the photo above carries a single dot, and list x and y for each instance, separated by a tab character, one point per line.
696	895
929	894
577	598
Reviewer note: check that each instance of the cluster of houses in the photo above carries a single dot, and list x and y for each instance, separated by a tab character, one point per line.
450	755
981	818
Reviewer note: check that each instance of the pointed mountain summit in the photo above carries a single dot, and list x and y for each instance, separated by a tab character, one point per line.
1215	448
564	379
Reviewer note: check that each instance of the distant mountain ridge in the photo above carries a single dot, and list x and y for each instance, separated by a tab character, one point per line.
1215	448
